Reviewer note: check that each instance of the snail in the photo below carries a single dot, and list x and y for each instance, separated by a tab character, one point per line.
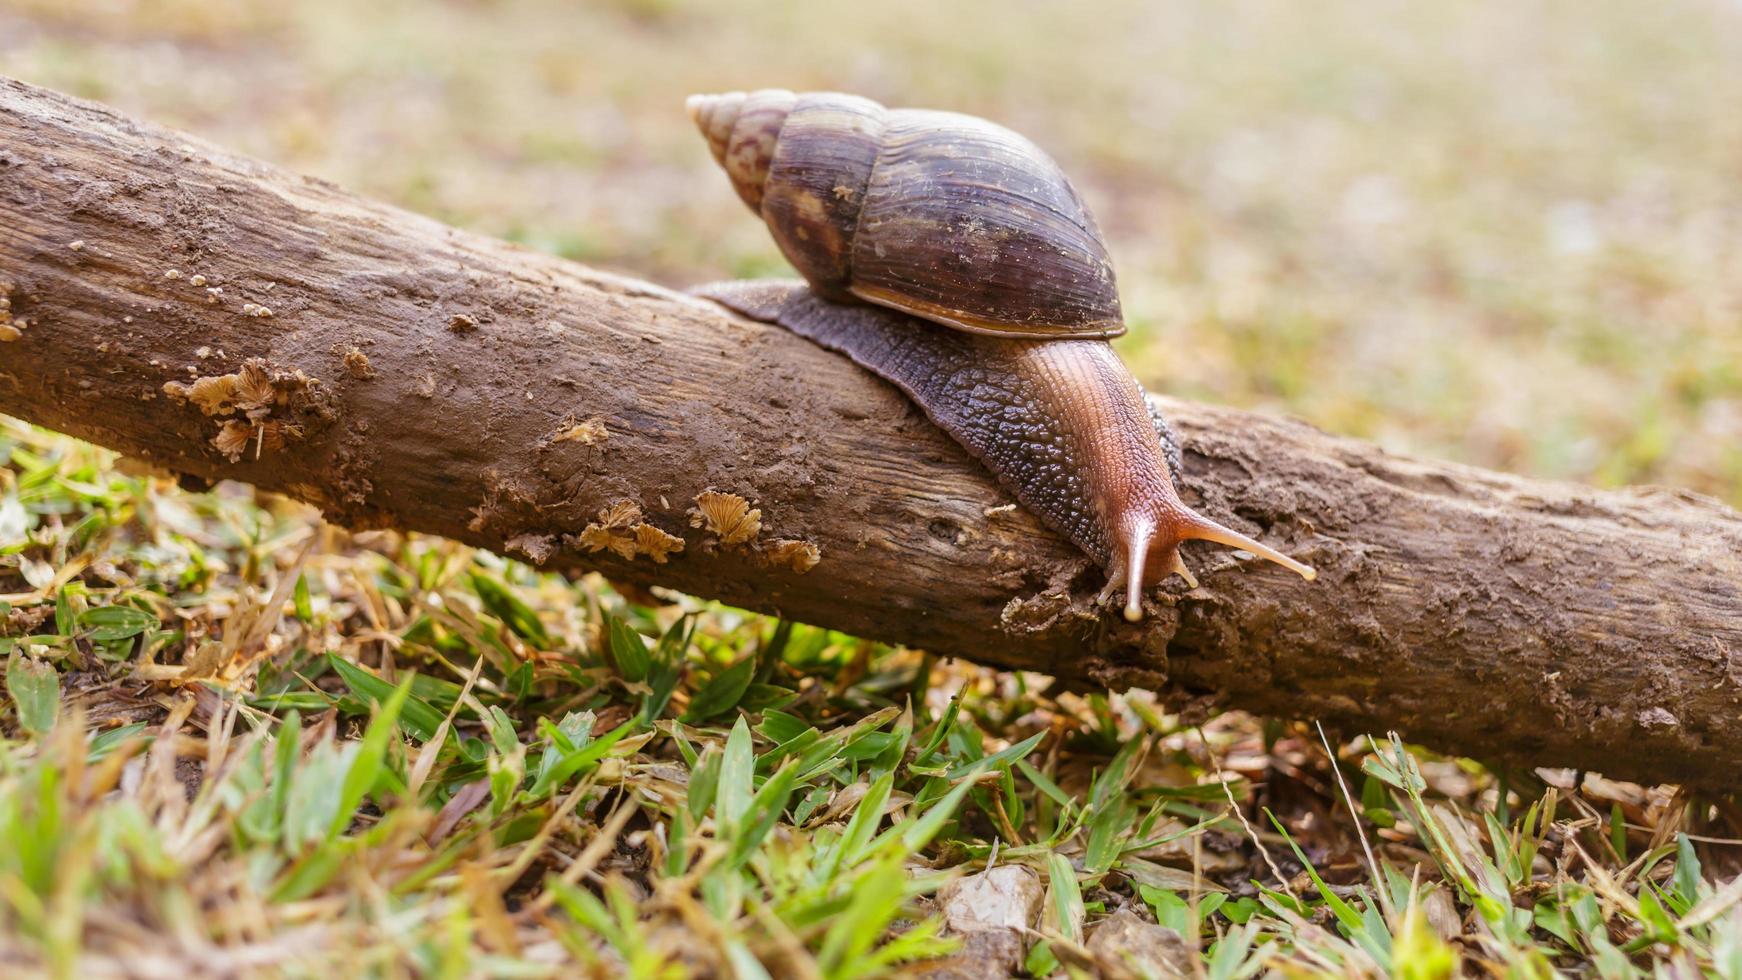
947	218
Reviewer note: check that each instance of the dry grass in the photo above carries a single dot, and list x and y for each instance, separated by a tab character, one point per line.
237	742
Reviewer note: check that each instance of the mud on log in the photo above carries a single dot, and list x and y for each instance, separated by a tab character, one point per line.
397	372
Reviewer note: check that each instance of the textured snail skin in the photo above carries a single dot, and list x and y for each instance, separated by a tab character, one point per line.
1061	423
945	216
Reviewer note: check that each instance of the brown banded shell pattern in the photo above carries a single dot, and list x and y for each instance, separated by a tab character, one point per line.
942	215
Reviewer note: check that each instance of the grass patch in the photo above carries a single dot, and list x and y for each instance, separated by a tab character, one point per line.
238	740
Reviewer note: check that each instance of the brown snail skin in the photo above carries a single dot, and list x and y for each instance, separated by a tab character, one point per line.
965	224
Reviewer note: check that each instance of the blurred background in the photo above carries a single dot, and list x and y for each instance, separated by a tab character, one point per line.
1508	233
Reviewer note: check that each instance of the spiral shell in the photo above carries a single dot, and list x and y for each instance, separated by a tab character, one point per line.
937	214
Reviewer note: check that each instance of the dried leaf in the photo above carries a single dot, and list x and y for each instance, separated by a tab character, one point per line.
1126	945
37	574
1005	897
468	798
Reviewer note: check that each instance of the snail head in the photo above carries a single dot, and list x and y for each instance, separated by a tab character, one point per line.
1148	552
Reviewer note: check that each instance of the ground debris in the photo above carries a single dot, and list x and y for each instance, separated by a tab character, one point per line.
992	911
18	622
1004	897
1125	945
988	954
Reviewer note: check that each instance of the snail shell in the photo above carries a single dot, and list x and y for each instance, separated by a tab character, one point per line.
941	215
966	224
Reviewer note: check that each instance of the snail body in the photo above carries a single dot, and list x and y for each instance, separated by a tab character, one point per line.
969	226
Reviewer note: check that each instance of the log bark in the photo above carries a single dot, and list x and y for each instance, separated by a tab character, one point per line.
417	376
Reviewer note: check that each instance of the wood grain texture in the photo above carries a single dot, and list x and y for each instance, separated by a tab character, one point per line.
443	372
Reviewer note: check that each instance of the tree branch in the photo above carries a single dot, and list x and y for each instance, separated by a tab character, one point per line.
411	375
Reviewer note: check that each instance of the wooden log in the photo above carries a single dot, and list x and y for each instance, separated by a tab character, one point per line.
227	320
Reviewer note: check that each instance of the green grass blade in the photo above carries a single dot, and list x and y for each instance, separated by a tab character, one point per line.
34	687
